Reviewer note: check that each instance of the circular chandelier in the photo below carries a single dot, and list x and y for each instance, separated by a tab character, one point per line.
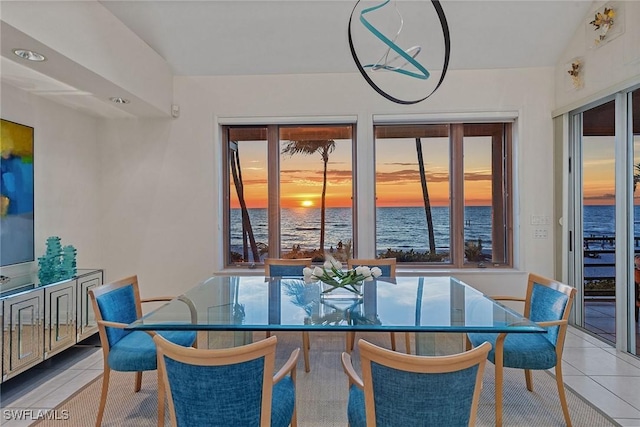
372	25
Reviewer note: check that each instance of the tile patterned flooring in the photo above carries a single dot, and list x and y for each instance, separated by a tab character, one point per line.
609	379
600	320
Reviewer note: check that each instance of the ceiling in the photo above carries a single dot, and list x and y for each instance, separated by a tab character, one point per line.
240	37
243	37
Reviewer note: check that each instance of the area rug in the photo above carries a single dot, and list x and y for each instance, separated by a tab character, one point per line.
321	394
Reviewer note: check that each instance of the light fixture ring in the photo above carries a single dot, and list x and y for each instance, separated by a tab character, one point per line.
29	55
447	53
119	100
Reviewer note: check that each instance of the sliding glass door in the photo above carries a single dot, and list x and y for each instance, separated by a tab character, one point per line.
634	121
598	217
604	163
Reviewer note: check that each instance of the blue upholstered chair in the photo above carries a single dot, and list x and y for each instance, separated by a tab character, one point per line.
402	390
282	267
115	306
547	303
227	387
388	268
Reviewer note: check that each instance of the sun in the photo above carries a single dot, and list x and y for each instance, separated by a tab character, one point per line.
306	203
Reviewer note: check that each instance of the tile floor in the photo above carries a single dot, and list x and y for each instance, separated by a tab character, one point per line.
609	379
600	320
48	384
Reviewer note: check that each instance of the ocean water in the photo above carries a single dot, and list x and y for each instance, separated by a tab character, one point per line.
600	221
400	228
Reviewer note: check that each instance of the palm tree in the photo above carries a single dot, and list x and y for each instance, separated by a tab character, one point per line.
425	196
247	231
324	147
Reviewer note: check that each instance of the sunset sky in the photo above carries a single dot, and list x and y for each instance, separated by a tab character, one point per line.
397	177
599	171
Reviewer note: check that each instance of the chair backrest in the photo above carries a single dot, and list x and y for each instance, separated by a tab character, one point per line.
387	265
116	302
409	390
549	300
282	267
221	387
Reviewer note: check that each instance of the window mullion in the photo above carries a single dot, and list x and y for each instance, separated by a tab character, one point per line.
497	196
273	186
457	194
226	158
508	190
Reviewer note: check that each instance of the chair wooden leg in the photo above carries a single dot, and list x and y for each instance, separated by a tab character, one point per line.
499	366
161	393
350	341
407	342
499	385
138	385
268	334
393	341
305	351
528	379
294	416
103	395
561	394
468	345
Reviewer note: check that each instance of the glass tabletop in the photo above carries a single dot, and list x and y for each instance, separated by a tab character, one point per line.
402	304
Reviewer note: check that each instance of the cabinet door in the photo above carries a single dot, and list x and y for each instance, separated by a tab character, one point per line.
23	320
60	309
2	346
87	325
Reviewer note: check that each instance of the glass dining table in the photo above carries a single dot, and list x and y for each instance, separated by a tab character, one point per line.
243	304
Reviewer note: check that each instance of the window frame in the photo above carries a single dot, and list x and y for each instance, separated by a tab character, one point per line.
502	190
457	206
273	183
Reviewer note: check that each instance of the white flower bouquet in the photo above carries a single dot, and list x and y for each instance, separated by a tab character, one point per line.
331	274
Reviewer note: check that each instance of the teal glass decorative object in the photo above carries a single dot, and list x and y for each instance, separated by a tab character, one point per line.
57	263
68	263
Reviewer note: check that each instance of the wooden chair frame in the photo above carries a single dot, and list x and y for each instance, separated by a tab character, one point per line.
102	331
228	356
412	363
305	262
562	330
376	262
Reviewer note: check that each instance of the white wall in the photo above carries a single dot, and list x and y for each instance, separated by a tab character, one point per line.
67	187
162	212
608	68
91	50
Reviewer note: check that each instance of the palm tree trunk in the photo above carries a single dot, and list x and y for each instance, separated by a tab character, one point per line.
425	196
324	147
247	231
325	158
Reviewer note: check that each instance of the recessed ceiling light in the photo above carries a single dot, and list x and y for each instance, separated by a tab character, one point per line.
29	55
119	100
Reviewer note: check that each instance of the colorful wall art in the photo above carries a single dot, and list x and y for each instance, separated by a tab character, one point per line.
16	193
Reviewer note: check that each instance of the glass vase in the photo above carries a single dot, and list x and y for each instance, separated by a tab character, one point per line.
339	291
